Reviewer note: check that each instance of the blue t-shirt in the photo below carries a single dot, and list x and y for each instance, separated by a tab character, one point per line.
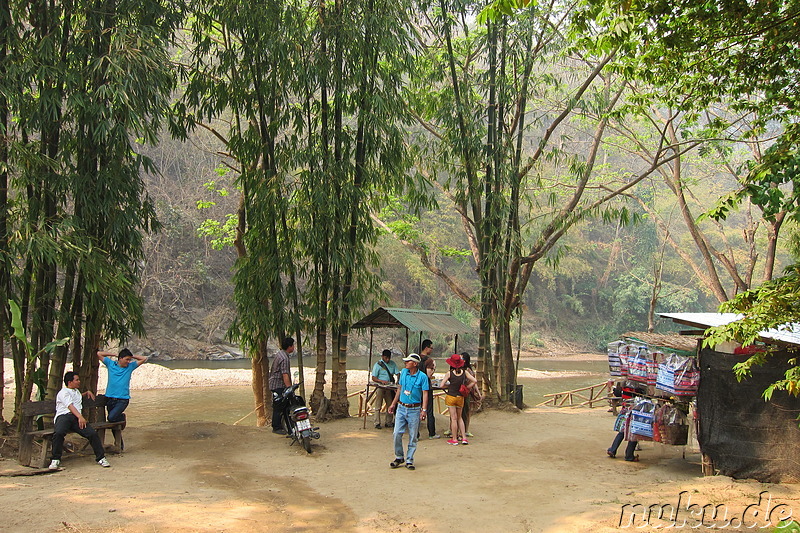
379	372
411	387
119	379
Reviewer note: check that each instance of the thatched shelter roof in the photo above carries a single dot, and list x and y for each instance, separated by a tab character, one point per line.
666	341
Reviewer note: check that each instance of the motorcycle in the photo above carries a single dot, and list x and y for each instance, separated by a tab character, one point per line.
296	419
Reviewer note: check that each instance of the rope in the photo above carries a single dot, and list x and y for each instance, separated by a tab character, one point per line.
259	406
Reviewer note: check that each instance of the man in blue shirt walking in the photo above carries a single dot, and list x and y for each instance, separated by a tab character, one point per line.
118	389
411	405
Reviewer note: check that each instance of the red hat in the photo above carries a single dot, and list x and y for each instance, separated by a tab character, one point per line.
455	361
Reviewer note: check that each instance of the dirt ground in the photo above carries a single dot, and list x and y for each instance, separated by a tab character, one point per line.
542	470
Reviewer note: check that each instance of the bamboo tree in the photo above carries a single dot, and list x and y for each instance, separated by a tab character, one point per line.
6	257
489	108
90	76
242	65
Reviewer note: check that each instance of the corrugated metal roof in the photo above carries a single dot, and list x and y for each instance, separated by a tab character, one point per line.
413	320
785	335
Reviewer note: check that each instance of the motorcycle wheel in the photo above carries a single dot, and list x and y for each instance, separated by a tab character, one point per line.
307	443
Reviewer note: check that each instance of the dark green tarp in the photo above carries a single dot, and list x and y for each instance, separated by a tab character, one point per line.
745	436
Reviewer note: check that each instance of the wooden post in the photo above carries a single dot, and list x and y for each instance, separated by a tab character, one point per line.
369	375
707	465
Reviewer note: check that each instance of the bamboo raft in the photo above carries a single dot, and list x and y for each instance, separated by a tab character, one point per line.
579	397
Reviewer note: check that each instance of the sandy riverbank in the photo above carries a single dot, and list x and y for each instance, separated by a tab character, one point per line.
542	470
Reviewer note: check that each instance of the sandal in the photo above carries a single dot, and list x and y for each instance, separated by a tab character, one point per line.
410	466
397	463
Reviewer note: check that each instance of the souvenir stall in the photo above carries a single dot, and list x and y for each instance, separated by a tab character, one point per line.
657	385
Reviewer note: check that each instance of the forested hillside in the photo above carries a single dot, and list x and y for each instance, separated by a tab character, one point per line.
597	284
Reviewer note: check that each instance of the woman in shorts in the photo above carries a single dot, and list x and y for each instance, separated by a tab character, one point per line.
452	382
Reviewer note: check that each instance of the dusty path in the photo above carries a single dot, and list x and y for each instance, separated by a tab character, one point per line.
541	470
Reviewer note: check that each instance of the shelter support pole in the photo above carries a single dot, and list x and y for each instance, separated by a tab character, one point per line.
707	465
369	375
455	343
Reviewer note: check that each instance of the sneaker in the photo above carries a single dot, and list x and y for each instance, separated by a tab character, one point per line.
104	462
464	441
453	442
435	437
470	434
378	426
397	463
447	433
55	464
279	431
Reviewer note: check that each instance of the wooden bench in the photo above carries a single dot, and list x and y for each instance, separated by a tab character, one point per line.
92	410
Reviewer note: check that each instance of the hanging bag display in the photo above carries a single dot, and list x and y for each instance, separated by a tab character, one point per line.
642	368
678	376
642	419
621	423
687	378
671	426
614	361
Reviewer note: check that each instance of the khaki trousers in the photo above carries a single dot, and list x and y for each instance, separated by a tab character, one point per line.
383	396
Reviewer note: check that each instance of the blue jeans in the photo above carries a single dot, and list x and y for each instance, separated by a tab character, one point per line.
629	449
115	408
406	419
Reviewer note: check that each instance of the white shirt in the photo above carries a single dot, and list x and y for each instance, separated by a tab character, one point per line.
65	398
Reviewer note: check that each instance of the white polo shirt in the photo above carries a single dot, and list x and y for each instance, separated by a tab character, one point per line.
65	398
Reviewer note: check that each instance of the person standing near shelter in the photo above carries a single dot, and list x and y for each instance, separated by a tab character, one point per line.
69	403
453	381
280	379
118	388
384	372
411	405
428	366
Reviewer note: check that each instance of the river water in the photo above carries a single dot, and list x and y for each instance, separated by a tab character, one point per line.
232	404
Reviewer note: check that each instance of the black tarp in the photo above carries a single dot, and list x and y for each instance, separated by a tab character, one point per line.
745	436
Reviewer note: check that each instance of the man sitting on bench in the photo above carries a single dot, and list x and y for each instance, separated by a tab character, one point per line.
69	403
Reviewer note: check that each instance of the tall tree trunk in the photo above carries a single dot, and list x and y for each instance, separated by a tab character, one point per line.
319	380
259	364
5	252
773	229
65	326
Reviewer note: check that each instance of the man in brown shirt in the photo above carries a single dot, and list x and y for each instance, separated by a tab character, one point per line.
280	379
429	366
